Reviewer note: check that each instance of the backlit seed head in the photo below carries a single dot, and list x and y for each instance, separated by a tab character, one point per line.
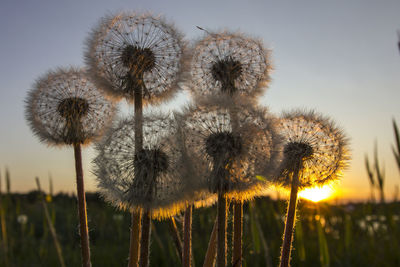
152	159
64	107
151	178
298	151
313	143
223	145
229	63
138	60
227	140
73	108
128	50
226	71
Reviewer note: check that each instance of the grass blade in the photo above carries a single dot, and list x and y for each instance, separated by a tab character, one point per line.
323	245
50	224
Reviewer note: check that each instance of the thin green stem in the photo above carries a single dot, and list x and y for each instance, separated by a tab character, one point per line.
176	237
209	259
51	226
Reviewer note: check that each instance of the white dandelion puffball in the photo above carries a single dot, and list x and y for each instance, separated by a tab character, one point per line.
65	107
314	143
229	63
150	178
130	51
230	141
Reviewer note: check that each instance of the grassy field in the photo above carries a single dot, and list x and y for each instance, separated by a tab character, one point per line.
326	235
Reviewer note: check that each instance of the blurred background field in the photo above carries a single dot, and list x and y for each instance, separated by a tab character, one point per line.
353	234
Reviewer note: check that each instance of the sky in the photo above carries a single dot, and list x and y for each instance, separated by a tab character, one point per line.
339	58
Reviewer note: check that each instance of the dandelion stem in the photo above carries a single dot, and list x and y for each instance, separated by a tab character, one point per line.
176	237
237	233
51	226
290	219
145	240
83	226
138	119
212	245
135	238
221	239
187	238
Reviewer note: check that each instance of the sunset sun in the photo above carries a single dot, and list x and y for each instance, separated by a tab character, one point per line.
316	194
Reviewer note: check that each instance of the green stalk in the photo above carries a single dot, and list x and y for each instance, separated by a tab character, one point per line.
380	174
256	220
159	242
209	259
323	244
51	226
396	148
176	237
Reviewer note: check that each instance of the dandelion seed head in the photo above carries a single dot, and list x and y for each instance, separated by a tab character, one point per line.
65	107
223	144
150	178
137	60
72	108
152	159
229	63
314	141
128	50
298	150
227	141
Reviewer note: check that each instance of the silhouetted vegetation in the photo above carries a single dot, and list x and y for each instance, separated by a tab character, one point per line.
340	235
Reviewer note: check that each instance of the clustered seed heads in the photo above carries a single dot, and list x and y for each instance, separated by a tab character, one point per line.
65	107
150	178
229	63
229	139
315	143
130	51
218	145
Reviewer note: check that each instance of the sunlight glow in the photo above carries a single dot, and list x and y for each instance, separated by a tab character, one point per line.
317	194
